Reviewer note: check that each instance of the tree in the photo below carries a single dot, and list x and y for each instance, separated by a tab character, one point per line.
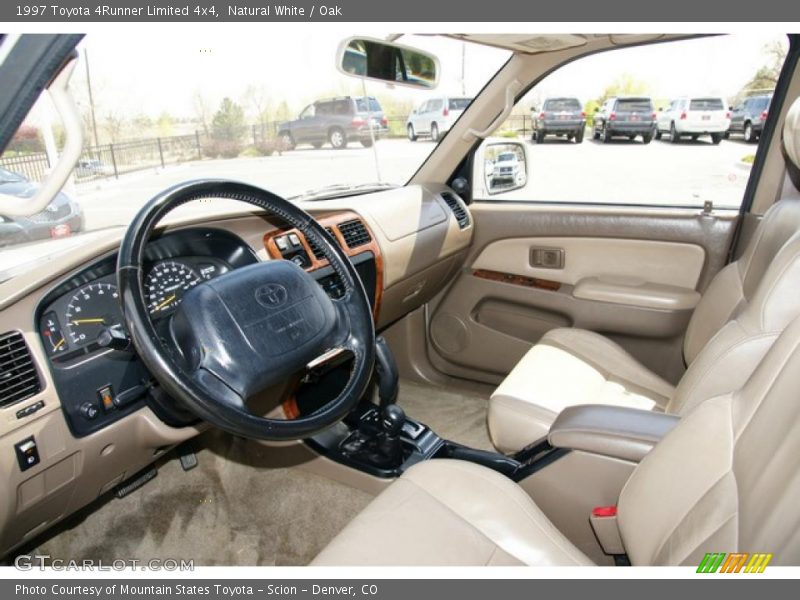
228	123
282	113
202	110
113	125
766	77
165	124
625	85
258	100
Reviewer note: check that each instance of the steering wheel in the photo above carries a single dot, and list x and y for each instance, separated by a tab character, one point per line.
234	336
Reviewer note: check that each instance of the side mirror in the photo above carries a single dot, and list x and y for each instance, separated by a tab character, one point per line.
500	166
731	108
596	109
661	109
377	60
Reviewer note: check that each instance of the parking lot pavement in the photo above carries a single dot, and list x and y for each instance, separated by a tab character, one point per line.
630	172
625	172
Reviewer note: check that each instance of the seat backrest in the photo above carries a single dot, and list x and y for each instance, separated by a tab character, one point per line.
731	356
735	285
726	478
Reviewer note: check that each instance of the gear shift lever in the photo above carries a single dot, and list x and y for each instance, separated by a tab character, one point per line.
386	368
389	445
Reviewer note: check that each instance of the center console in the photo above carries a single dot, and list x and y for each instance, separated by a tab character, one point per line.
382	441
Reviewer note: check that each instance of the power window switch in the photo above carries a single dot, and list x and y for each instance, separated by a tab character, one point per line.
27	453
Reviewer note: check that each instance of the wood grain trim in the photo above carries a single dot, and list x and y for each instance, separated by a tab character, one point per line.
333	221
542	284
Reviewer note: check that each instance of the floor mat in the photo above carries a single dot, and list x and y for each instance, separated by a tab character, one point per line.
454	415
229	510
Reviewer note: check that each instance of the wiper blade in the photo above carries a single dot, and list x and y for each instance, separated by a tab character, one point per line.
340	189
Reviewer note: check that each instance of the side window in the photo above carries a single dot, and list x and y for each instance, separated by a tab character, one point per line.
308	112
324	108
621	151
435	105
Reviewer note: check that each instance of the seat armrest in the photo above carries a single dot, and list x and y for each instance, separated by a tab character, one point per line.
625	433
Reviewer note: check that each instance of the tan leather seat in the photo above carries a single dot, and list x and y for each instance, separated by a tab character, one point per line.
574	366
723	480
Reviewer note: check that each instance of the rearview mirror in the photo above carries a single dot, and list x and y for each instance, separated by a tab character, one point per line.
504	166
377	60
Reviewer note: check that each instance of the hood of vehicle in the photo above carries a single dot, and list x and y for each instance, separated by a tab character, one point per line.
26	189
20	189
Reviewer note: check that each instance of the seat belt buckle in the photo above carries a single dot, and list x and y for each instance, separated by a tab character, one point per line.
606	529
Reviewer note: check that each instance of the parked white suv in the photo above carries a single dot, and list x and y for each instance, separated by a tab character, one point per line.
693	117
434	117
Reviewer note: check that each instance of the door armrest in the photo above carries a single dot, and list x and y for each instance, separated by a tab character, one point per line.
625	433
630	292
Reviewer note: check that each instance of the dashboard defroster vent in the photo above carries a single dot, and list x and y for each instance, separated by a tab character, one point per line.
18	377
459	211
355	233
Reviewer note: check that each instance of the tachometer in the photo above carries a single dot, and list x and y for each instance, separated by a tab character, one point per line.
166	284
93	308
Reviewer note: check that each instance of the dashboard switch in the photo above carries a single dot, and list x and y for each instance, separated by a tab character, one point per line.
27	453
294	239
106	395
29	410
281	243
129	396
89	411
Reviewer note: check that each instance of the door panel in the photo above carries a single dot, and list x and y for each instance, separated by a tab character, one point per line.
671	263
631	273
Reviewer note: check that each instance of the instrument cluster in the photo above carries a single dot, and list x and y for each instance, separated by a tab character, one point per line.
71	325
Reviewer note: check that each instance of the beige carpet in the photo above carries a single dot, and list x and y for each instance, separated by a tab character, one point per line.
234	509
229	510
454	415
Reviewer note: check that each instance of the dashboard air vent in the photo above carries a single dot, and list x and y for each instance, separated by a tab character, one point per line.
18	377
315	249
458	209
355	233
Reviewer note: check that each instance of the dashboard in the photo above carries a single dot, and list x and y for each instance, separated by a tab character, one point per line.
84	405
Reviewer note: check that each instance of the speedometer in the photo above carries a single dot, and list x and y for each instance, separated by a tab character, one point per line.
166	284
93	308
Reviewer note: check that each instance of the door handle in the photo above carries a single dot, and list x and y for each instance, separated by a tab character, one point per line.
544	257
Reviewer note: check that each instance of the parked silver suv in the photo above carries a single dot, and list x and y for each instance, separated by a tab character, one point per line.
435	117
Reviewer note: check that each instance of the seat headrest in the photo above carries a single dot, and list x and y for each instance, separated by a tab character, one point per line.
791	133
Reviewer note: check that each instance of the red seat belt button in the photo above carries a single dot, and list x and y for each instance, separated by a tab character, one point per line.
604	511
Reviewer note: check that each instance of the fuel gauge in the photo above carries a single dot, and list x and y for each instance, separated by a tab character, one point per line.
54	341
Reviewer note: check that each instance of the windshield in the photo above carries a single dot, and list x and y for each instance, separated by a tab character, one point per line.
274	111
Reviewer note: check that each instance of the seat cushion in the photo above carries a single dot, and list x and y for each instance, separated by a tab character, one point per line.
566	368
448	513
